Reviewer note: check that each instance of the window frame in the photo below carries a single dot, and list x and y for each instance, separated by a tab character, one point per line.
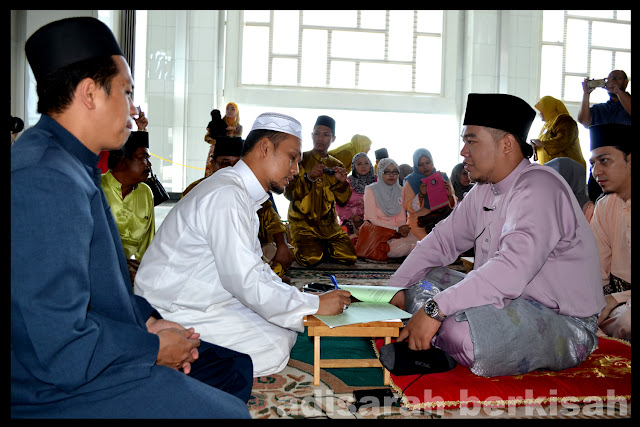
589	47
350	99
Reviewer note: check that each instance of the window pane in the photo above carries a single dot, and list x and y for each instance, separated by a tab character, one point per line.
551	72
284	71
388	38
623	62
257	16
314	58
285	31
592	13
430	21
428	64
330	18
400	35
601	63
608	34
390	77
577	36
573	89
348	44
255	55
343	74
373	19
624	15
553	26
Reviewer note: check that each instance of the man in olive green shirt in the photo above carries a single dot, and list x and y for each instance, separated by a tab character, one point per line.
322	182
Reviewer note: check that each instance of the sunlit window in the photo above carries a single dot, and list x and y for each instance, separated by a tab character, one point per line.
398	50
577	44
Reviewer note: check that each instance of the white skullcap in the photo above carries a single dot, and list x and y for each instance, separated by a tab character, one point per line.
279	123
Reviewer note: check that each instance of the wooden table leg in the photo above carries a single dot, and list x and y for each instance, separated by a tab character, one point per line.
387	374
316	361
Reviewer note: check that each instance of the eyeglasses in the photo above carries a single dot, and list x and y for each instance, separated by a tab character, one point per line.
391	173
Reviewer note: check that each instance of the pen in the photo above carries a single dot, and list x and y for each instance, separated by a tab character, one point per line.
335	284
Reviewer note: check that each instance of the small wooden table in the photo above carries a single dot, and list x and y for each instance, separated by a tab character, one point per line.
318	329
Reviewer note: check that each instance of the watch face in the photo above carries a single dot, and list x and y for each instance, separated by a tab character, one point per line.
430	308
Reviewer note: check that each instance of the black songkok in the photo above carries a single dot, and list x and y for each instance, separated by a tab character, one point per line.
611	135
137	139
328	122
381	153
68	41
500	111
228	146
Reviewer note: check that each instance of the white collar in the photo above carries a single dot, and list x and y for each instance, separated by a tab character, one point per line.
255	189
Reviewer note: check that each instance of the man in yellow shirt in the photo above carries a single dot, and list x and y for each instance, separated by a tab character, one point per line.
322	181
130	199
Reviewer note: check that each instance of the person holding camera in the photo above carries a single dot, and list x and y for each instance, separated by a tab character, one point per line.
321	182
616	110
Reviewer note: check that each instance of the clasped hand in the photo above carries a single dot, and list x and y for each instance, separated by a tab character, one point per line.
178	346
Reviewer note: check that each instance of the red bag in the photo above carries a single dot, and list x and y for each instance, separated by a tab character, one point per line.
372	241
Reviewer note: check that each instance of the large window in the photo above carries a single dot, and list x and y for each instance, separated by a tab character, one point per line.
375	60
373	50
583	43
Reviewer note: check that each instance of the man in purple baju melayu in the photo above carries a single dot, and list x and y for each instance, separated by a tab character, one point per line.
534	294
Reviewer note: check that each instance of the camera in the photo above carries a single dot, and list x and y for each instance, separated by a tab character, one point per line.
597	83
328	171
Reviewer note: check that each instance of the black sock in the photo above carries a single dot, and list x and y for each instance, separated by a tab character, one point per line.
399	359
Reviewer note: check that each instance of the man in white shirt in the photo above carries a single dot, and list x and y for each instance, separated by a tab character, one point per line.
204	267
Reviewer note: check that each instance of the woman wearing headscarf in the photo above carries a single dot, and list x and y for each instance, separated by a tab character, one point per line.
351	215
232	117
575	176
416	200
559	135
231	121
346	152
385	233
461	182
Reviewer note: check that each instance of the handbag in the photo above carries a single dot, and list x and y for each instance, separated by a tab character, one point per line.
430	220
159	193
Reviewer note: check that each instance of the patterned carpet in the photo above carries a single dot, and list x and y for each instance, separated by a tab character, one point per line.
290	394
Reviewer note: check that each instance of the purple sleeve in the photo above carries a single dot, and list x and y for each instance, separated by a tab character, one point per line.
523	246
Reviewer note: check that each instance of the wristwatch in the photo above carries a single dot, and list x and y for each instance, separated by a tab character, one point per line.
431	309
